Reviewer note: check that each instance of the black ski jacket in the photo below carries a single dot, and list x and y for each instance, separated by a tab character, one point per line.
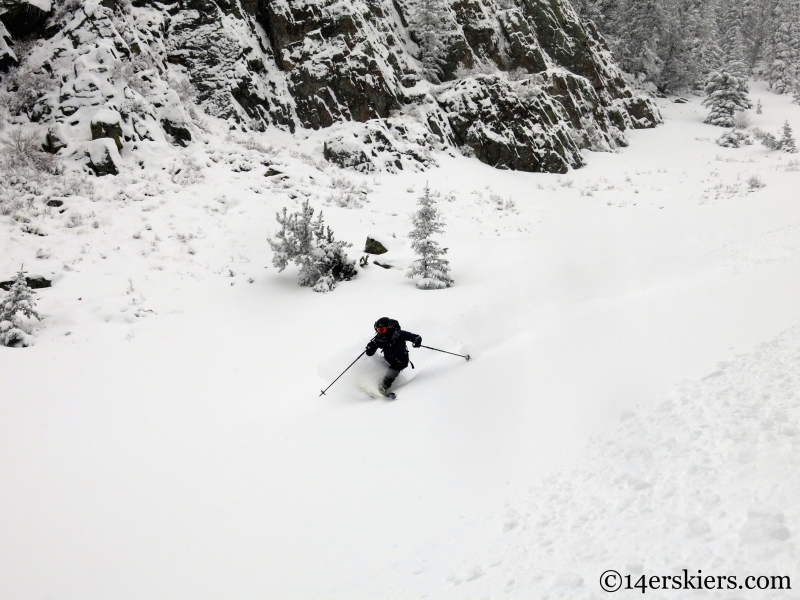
393	345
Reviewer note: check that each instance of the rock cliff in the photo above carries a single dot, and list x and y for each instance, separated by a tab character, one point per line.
524	84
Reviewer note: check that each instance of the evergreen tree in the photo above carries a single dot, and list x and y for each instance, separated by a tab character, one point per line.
432	270
428	28
641	29
757	27
604	13
683	46
726	95
710	58
782	47
733	44
787	142
679	43
307	243
18	301
590	11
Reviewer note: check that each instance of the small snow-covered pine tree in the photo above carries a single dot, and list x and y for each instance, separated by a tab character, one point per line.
759	107
429	26
309	244
430	269
787	142
766	138
18	301
727	94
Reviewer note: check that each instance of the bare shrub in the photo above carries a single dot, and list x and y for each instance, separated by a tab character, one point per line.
184	88
64	9
134	72
26	88
741	120
198	119
74	184
346	193
23	150
22	49
518	74
186	172
136	105
479	68
251	143
74	220
501	203
754	182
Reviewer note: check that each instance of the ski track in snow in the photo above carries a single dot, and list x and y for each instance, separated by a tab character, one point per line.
164	437
706	480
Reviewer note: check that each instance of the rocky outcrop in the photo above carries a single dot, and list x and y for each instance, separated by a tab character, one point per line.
510	128
25	19
524	84
7	56
393	144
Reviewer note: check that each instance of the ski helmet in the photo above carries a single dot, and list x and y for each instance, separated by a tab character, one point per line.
387	323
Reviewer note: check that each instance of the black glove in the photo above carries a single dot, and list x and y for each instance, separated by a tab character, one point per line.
417	342
371	348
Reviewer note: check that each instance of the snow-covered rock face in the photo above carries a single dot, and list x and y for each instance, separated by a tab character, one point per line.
524	83
7	55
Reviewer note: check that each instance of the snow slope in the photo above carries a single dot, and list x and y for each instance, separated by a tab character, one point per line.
632	403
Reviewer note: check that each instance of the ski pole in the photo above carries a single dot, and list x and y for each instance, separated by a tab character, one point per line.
343	372
446	352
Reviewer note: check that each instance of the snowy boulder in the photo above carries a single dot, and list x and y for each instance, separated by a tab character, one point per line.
104	158
178	130
56	138
643	112
681	100
374	247
347	153
35	283
107	123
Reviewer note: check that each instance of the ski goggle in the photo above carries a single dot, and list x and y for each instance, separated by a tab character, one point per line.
381	329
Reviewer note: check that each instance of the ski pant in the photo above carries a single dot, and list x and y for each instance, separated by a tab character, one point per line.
392	373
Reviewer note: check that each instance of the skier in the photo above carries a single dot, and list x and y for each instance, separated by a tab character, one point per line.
392	341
